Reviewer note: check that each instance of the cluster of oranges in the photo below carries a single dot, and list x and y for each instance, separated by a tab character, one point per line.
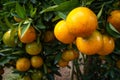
67	55
80	27
32	47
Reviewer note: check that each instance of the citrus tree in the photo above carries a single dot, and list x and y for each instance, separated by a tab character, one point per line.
39	37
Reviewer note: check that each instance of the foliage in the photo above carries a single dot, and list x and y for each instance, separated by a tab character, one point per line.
43	15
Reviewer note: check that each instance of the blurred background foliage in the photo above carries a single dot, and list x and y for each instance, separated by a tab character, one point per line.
43	15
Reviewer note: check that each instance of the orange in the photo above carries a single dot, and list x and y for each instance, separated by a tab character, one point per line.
76	55
23	64
69	55
81	21
37	75
108	45
36	61
29	36
62	34
114	19
8	39
63	63
26	78
49	36
90	45
17	19
118	64
33	48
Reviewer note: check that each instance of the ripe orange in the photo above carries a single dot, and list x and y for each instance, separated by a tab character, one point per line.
36	61
63	63
8	39
33	48
29	36
17	19
23	64
90	45
69	55
114	19
108	45
49	36
62	34
81	21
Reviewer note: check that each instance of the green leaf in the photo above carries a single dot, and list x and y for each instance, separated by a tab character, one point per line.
45	68
12	57
4	60
32	11
100	12
62	15
55	18
65	6
33	1
9	3
57	58
112	31
8	23
89	2
18	52
20	11
40	25
25	27
58	1
51	8
2	54
48	16
113	28
5	50
1	35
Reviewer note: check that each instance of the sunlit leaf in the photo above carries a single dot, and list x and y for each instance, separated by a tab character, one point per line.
32	11
24	29
5	50
100	12
20	11
62	15
9	3
112	31
68	5
89	2
65	6
51	8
